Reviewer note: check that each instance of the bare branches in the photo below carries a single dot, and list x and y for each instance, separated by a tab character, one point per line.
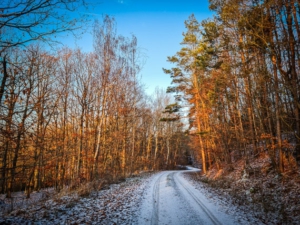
24	21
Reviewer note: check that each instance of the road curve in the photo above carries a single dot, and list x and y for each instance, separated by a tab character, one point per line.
172	199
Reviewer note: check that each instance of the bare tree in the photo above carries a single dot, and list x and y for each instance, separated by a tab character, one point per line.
25	21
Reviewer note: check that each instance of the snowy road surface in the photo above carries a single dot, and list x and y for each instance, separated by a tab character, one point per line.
171	199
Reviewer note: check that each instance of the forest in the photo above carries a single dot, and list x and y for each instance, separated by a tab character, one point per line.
238	76
68	117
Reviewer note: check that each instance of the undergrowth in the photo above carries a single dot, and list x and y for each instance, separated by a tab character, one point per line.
271	197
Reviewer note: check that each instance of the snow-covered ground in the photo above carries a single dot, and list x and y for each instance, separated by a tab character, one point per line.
167	197
117	205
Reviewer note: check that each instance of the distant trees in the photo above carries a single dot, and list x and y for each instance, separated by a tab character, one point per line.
240	75
70	117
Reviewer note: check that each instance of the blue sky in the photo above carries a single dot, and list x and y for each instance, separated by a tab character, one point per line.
158	26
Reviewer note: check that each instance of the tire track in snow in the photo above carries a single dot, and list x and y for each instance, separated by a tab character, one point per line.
213	219
155	196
